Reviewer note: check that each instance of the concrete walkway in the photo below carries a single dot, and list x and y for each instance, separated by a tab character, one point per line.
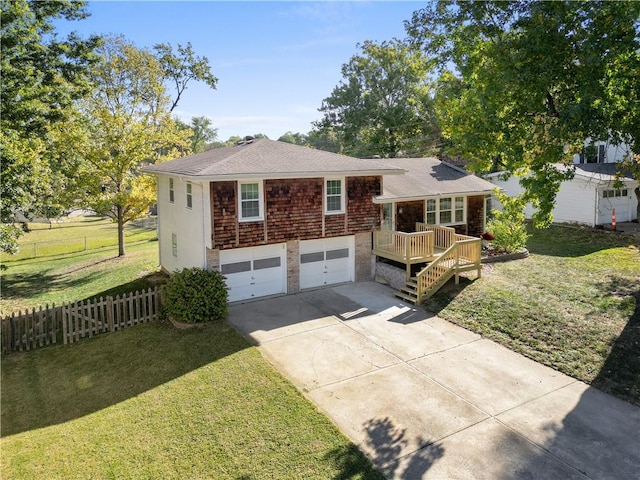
426	399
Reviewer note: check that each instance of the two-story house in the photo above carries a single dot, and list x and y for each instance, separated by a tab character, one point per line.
278	218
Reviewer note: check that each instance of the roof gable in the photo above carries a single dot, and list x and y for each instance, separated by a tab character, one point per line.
265	158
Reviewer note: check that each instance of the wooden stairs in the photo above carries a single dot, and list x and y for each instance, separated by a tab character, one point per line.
442	273
433	277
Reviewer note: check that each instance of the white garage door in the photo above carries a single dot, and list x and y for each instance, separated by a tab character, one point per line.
254	271
326	261
621	205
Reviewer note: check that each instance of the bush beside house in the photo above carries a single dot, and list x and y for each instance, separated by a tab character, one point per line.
195	295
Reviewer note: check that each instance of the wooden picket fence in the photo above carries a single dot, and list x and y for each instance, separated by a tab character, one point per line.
70	322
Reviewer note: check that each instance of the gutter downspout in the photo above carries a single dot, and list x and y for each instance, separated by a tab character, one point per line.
597	208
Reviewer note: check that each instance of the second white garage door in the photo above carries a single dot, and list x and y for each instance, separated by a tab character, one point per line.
254	271
326	261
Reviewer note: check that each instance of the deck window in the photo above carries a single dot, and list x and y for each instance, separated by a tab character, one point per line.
459	211
445	211
251	201
189	195
334	196
171	191
431	211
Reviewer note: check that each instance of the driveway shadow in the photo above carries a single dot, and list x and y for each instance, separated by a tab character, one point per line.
387	441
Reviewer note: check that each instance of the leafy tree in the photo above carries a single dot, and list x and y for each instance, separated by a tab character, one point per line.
42	77
630	165
202	134
181	67
128	123
295	138
384	103
530	81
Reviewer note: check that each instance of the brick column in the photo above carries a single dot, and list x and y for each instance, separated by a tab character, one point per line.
365	261
293	266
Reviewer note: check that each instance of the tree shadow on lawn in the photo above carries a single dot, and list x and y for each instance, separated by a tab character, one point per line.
57	384
620	374
26	285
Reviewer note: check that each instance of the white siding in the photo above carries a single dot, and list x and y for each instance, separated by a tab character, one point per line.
575	201
186	223
578	201
613	153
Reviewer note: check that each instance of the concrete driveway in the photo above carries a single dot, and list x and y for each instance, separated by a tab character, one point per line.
424	398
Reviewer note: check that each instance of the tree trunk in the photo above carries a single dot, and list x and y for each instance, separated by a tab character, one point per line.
120	213
637	192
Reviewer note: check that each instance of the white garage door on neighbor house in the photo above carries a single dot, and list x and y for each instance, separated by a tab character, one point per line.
618	199
255	271
326	261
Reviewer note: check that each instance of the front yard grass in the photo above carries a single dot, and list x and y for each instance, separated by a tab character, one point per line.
573	305
156	402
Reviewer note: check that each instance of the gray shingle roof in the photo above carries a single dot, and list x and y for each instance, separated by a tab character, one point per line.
429	177
599	171
269	159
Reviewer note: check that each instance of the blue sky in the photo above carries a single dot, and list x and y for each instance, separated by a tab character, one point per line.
275	61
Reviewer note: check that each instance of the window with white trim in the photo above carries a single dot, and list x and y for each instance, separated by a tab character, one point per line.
171	191
431	211
189	195
334	196
250	201
445	211
174	244
459	210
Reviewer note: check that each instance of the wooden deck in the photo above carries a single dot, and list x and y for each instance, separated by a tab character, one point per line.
446	252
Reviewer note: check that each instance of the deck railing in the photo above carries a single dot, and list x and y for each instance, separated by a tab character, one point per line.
408	248
463	255
444	236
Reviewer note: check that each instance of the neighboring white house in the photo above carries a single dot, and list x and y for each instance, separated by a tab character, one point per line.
589	198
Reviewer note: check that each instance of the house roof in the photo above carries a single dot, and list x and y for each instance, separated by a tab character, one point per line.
263	158
429	177
602	172
598	173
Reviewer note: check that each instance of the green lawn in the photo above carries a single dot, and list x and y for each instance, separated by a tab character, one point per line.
74	234
574	305
72	275
155	402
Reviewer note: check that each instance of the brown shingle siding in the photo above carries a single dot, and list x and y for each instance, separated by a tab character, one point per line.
250	234
362	214
224	214
293	209
334	225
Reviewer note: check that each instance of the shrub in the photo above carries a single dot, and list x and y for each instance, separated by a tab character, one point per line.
509	236
195	295
508	226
